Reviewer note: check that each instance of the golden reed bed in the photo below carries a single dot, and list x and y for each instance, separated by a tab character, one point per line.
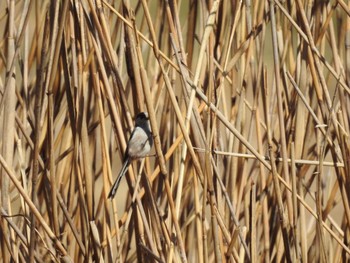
249	107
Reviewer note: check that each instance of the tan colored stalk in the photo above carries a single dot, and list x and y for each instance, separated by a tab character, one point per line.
277	80
295	206
253	221
8	126
282	215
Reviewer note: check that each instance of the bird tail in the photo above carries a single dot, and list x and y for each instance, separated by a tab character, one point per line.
121	174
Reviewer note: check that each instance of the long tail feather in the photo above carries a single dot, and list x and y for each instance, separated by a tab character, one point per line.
119	178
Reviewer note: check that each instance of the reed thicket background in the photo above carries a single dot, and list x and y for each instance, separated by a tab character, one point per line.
249	107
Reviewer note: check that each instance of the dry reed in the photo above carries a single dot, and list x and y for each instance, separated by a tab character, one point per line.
249	104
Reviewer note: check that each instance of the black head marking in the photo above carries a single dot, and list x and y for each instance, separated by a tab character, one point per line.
141	118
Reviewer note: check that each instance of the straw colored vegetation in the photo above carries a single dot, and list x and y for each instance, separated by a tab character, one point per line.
249	107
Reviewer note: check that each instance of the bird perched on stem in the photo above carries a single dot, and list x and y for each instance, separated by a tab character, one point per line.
139	145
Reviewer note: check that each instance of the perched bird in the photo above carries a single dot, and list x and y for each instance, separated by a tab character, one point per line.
139	145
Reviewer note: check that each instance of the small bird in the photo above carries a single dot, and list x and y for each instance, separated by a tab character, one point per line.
139	145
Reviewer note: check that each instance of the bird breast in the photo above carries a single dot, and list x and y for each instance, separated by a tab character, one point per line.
139	144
